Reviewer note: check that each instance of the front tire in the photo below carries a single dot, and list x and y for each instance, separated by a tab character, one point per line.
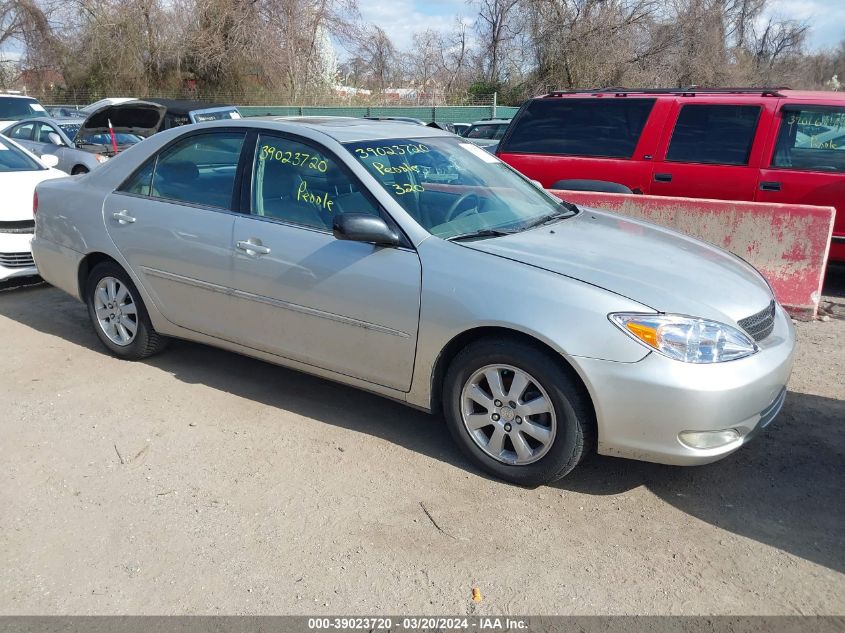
517	412
118	314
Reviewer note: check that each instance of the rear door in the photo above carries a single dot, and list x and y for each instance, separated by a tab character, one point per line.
712	150
172	221
807	162
596	138
42	146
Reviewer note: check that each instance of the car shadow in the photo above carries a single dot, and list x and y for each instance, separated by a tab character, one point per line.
781	489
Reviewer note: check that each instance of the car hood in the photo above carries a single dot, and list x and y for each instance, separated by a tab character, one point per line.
133	117
657	267
17	188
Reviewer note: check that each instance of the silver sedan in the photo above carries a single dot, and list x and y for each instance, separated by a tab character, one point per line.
410	263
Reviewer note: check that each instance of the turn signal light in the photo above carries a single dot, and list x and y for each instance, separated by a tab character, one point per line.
34	203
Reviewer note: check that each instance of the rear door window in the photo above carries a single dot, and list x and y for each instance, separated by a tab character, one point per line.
199	169
22	132
607	128
811	138
714	134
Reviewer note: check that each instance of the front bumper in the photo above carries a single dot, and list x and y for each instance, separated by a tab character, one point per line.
16	256
642	407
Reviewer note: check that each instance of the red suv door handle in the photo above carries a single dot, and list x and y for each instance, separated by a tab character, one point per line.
663	177
769	185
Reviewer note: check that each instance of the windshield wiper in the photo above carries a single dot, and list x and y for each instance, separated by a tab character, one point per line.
571	209
478	234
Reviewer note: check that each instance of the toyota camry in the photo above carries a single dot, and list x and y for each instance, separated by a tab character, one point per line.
409	262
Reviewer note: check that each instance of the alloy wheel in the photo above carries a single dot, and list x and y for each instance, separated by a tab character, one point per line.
508	414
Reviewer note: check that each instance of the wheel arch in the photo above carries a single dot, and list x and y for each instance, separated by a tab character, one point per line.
86	265
467	337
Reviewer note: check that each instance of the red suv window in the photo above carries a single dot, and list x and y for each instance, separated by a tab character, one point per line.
717	134
811	138
577	127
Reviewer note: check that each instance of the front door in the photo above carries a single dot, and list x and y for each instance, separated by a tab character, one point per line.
349	307
172	221
808	164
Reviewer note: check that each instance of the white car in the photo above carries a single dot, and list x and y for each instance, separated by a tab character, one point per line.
20	171
14	107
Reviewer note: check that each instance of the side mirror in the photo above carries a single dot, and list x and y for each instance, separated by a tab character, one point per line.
361	227
51	160
537	183
55	139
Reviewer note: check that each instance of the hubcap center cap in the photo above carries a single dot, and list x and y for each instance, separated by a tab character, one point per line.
507	414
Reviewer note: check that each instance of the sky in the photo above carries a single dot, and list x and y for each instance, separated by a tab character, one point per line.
401	18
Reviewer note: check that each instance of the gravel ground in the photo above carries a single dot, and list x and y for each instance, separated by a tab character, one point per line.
205	482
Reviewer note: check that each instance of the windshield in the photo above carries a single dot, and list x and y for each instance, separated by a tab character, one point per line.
16	108
13	159
70	129
201	116
487	131
104	138
453	188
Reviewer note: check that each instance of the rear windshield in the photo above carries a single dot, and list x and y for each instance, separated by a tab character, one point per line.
201	116
13	159
608	128
16	108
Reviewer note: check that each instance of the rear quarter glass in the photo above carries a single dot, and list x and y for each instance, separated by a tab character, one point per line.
601	128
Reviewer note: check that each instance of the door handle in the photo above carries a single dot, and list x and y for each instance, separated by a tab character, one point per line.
252	246
663	177
769	185
123	217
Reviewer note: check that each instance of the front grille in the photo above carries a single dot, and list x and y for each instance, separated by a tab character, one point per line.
16	260
761	324
18	226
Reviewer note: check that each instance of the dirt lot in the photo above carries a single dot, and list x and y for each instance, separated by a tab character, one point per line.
205	482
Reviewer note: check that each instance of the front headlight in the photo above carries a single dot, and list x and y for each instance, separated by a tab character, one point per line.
101	158
684	338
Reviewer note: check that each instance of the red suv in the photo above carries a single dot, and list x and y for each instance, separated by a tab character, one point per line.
769	145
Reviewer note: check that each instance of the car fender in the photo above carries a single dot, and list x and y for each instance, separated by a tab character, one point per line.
567	315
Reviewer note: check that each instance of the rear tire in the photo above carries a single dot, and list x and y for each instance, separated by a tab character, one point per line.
118	314
512	441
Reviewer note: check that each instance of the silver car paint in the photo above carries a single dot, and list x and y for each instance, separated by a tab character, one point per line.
68	154
642	399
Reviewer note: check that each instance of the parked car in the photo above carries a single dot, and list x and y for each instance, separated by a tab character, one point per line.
460	128
56	136
411	263
82	144
20	171
64	111
14	107
779	145
487	131
183	112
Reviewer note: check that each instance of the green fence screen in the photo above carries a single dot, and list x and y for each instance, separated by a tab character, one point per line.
440	114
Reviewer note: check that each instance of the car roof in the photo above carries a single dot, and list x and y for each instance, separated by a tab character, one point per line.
33	119
490	122
15	95
732	94
351	129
